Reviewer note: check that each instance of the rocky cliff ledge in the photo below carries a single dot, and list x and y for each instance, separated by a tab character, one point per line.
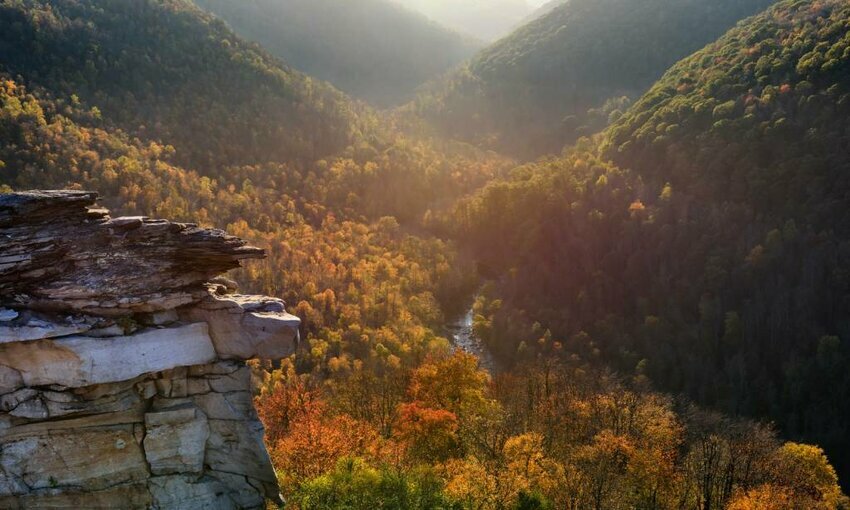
123	381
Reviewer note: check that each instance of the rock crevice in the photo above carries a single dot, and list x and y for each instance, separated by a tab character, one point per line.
123	381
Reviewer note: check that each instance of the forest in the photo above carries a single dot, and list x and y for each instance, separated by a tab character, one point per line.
650	230
708	228
557	79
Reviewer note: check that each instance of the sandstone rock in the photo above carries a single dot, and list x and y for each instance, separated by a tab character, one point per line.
10	401
10	379
243	492
79	361
61	253
123	381
25	430
7	315
247	327
217	368
237	448
64	404
38	332
176	440
235	381
107	332
235	406
163	387
146	389
129	497
161	318
99	391
186	493
29	326
33	409
172	436
195	386
179	387
230	286
90	459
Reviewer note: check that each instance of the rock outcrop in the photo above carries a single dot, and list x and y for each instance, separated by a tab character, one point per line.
123	381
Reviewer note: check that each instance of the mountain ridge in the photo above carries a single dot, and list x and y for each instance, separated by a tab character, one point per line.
154	70
563	75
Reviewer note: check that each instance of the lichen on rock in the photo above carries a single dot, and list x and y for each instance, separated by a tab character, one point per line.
123	381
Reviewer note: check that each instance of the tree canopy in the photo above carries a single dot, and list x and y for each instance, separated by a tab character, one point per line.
564	74
702	238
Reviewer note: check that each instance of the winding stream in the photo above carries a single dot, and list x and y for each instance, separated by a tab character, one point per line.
463	337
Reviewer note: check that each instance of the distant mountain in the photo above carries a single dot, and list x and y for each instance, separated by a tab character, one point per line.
167	70
376	50
548	82
487	20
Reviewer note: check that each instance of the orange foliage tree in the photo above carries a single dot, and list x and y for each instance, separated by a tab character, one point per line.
430	434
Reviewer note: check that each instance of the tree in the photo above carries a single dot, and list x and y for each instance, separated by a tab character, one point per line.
317	441
353	484
763	497
429	434
529	471
805	471
454	383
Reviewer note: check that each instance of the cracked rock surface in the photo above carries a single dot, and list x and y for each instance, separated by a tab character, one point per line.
123	381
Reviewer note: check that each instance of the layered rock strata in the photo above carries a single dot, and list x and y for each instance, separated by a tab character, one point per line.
123	381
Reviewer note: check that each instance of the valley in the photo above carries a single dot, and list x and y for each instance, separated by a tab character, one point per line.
592	256
375	50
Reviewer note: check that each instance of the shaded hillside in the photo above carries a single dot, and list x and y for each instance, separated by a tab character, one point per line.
705	242
562	75
166	70
372	49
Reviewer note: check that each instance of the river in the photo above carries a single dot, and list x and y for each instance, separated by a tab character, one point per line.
463	337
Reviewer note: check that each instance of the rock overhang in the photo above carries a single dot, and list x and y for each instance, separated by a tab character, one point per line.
118	353
59	252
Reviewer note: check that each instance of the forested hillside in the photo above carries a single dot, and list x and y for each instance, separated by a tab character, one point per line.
703	239
164	70
372	49
565	74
